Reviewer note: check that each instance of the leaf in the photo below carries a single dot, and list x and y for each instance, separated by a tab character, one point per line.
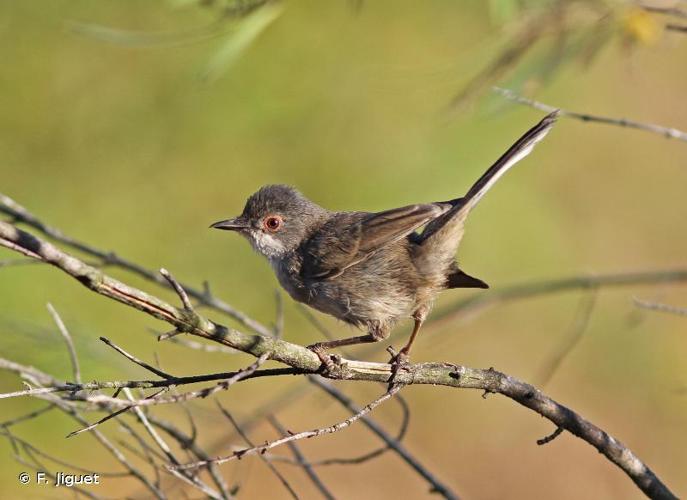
247	32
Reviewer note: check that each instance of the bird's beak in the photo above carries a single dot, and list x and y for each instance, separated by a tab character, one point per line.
235	224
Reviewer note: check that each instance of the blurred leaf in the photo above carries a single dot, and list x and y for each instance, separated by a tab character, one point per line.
248	31
144	39
640	26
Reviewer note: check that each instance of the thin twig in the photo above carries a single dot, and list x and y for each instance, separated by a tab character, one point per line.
301	435
75	389
188	443
178	289
21	214
667	132
147	453
301	460
119	456
134	359
577	329
435	484
4	431
189	478
668	11
109	416
657	306
480	302
550	437
249	442
18	262
405	419
68	339
27	416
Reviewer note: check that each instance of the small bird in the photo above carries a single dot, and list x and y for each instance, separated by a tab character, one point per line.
368	269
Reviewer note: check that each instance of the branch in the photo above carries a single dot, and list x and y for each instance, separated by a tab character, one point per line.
546	287
300	459
301	358
248	441
667	132
21	214
657	306
580	323
237	455
68	339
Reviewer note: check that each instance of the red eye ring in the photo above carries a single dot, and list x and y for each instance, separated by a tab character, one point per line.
272	223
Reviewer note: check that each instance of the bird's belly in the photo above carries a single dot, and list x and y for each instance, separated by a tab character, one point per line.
373	292
359	305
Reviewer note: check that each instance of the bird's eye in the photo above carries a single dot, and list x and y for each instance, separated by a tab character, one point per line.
272	223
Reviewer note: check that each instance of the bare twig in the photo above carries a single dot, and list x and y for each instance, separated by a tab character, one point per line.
21	214
667	132
668	11
75	389
379	451
27	416
134	359
188	443
18	262
548	287
550	437
119	456
301	460
110	416
580	323
657	306
27	445
301	435
435	484
178	289
184	476
68	340
147	453
248	441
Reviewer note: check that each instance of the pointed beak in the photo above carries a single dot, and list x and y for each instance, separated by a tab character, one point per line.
235	224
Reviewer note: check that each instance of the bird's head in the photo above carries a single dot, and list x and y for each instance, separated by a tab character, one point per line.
275	220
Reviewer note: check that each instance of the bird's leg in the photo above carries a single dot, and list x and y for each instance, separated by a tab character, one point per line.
329	361
377	331
404	354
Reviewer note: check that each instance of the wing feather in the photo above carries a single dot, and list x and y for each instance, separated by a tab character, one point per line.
350	238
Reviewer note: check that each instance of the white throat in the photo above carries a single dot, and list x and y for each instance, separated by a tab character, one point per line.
266	244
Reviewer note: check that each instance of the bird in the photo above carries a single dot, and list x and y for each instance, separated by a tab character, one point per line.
368	269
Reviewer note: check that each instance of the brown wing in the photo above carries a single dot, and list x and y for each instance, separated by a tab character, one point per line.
349	238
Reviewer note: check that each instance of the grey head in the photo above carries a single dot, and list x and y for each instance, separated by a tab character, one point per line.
275	220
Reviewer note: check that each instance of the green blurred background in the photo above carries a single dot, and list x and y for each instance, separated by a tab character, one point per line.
137	149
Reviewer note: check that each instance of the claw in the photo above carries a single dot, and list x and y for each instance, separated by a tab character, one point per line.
398	362
329	361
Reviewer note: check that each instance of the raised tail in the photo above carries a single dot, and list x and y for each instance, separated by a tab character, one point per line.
515	153
441	237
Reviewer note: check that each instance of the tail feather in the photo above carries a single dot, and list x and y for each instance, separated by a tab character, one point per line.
515	153
460	279
441	237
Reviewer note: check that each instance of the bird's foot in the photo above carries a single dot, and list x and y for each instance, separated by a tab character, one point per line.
330	362
399	361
